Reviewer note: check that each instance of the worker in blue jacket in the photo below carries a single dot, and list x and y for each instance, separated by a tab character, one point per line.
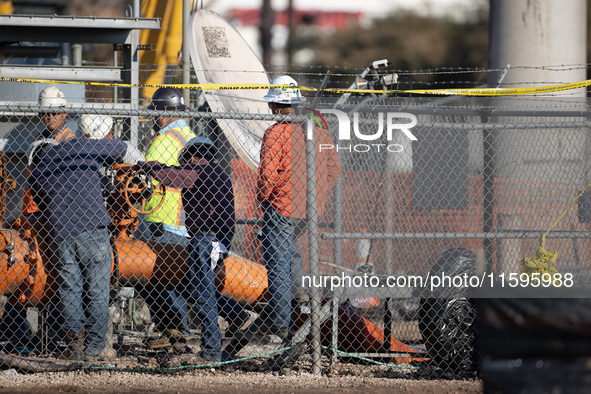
208	200
65	185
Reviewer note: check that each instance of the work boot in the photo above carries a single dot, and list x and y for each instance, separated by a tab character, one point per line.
159	343
107	354
75	350
198	360
178	341
238	325
181	347
268	328
287	358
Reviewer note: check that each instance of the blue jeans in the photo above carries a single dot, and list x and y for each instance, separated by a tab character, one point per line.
13	324
297	264
230	310
84	272
167	308
278	240
201	290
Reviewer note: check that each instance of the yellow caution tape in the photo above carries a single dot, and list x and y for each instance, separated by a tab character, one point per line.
251	86
542	263
543	258
504	91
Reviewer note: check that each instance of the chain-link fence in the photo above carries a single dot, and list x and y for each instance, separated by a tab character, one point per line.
308	236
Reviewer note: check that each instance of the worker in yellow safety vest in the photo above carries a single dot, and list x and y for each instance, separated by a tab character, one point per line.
167	224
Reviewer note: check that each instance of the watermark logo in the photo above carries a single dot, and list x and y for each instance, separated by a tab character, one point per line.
392	124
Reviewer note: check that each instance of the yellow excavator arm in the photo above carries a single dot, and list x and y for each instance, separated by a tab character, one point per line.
6	7
155	64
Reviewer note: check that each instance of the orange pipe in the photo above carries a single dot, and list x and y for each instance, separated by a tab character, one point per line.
13	267
160	265
30	280
242	280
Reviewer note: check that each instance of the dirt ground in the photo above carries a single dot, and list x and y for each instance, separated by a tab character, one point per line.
224	383
247	378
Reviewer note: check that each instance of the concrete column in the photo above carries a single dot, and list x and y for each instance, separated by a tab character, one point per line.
549	35
538	33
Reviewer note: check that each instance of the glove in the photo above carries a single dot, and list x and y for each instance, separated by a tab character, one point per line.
133	155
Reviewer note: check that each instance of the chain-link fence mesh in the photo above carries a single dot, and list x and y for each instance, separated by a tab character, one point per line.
305	250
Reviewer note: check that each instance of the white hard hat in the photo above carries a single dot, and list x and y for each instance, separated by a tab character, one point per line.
94	126
284	95
52	96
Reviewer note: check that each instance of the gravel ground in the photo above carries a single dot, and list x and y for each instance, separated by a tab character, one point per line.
248	376
245	377
221	382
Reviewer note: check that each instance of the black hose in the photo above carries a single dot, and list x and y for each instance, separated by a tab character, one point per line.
29	365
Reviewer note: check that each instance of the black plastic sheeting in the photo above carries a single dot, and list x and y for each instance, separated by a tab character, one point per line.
535	345
536	327
537	375
447	319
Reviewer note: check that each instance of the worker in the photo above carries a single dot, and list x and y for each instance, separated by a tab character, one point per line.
95	127
65	186
167	308
53	118
208	199
98	127
281	190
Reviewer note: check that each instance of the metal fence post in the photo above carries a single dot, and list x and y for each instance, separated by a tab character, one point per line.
312	216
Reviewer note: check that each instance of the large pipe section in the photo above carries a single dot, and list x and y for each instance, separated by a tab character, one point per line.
26	259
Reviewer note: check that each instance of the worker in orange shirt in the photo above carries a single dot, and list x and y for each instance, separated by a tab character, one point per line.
281	191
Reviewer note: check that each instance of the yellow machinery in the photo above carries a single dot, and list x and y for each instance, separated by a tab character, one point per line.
6	7
168	40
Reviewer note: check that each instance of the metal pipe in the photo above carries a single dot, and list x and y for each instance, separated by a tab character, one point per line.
488	184
65	54
321	89
473	112
338	217
506	126
136	8
185	51
115	61
335	326
243	116
312	216
488	193
77	55
131	63
301	118
505	234
257	222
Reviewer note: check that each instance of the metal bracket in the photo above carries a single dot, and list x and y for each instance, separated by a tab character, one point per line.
147	47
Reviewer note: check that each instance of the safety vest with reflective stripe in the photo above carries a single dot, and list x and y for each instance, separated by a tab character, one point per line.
165	149
29	205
